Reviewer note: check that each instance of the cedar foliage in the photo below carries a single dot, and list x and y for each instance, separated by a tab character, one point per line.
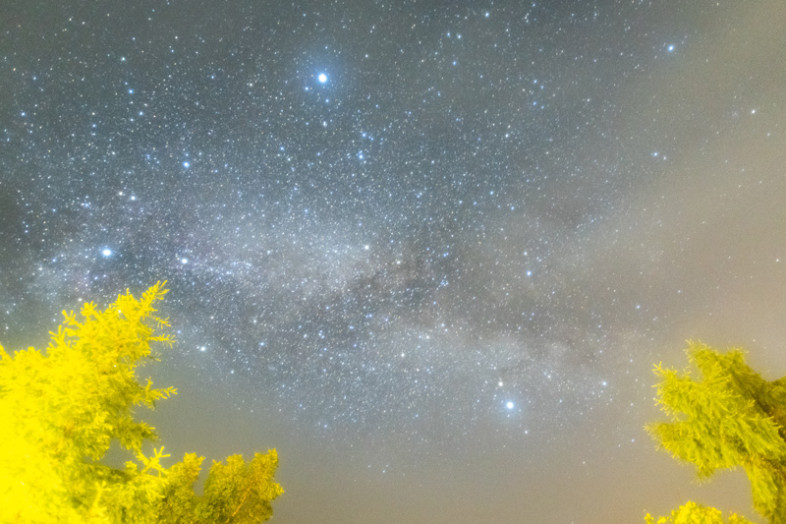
62	409
692	513
726	417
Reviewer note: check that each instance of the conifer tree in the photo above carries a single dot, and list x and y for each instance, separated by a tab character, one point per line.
61	410
692	513
726	417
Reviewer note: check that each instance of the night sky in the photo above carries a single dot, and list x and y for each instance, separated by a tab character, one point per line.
428	250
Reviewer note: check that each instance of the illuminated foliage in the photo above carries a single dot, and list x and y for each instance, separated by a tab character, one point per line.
727	417
61	410
692	513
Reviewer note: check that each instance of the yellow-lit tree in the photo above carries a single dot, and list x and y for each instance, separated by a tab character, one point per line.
692	513
61	410
726	417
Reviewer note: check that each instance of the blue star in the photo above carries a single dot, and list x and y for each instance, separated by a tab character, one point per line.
322	77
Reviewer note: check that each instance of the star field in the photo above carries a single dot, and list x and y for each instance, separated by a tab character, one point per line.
412	235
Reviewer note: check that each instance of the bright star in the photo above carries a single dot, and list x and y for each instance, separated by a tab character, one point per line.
322	78
510	404
106	252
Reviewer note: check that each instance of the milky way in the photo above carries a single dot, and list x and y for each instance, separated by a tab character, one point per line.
410	226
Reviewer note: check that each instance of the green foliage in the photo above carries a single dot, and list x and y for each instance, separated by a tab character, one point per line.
727	417
692	513
61	410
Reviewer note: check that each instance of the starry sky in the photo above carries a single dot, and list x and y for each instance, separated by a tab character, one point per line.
428	250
